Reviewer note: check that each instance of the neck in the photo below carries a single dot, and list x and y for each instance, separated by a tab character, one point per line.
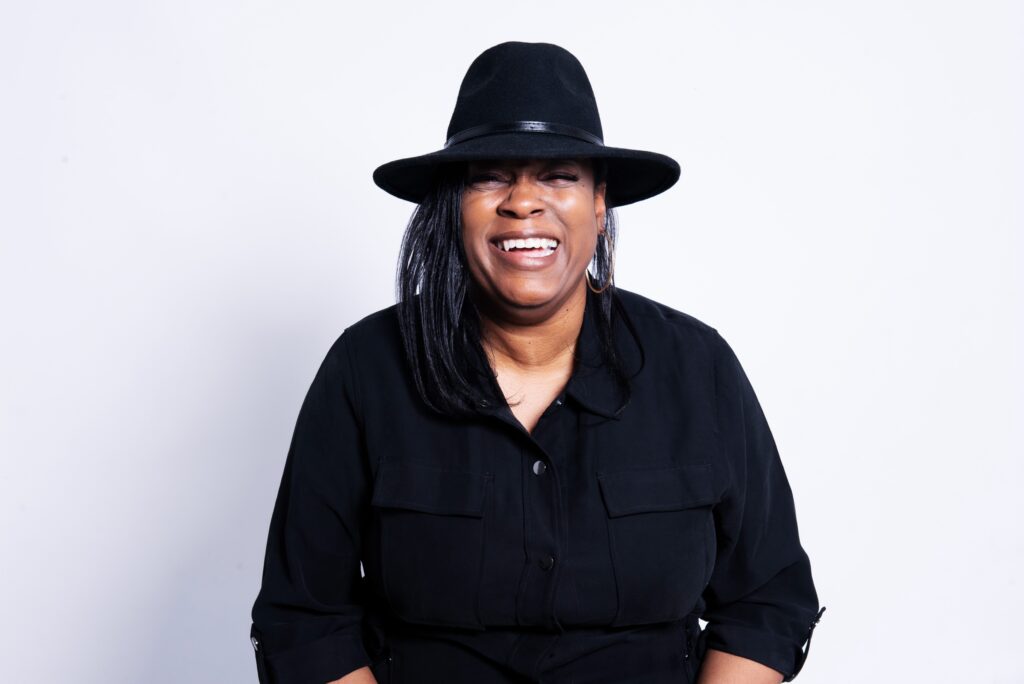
534	345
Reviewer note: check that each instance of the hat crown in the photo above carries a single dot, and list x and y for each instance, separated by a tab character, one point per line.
517	81
528	101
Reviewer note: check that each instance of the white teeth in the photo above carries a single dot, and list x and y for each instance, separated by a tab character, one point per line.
547	244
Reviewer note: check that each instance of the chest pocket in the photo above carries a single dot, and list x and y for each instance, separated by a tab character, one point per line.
431	526
662	536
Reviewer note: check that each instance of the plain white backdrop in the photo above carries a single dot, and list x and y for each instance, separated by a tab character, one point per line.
188	222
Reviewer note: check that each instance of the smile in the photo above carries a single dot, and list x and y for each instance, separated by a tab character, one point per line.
539	247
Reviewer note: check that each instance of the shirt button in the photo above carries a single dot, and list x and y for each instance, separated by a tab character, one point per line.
547	562
539	467
558	402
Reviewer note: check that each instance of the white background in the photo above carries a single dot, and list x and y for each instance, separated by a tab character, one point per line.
188	222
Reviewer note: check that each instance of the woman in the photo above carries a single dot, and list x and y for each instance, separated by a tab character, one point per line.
547	479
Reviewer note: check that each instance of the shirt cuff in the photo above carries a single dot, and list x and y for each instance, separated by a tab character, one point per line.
318	662
766	648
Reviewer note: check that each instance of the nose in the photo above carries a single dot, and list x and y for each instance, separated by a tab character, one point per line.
523	200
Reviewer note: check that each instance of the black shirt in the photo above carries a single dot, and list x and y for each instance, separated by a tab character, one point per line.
599	521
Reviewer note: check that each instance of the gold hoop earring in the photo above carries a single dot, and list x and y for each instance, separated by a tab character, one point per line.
590	284
611	270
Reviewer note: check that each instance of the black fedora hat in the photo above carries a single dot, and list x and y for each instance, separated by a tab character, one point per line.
530	101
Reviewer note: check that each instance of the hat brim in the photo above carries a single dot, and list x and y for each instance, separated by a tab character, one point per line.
633	175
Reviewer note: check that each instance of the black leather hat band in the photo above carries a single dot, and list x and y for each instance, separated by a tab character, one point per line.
523	127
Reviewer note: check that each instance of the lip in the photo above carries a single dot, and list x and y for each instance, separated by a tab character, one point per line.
523	260
524	234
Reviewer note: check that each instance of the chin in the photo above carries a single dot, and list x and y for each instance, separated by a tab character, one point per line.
532	297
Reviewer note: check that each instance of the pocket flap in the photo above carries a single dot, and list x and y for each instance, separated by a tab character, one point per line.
658	489
430	490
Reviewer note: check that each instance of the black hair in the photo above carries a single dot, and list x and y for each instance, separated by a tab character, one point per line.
439	324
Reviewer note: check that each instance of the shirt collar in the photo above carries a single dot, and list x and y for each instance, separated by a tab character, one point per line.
592	384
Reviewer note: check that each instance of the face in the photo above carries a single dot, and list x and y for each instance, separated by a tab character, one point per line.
529	229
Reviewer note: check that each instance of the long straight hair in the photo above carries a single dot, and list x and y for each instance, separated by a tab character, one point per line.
439	324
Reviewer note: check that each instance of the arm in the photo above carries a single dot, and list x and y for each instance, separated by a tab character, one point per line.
360	676
761	603
720	667
307	619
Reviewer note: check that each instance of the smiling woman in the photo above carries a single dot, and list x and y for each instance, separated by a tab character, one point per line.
546	477
452	252
529	229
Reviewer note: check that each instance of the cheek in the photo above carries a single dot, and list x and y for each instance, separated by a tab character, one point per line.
589	247
474	227
581	221
578	207
471	224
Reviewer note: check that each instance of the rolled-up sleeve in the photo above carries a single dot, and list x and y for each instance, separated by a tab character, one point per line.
761	602
307	617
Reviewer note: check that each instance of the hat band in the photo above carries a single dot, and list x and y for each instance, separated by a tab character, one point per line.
524	127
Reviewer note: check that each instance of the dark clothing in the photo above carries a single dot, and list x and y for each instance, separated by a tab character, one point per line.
583	552
648	654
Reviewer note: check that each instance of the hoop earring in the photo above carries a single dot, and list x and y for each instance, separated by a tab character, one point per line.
590	284
611	267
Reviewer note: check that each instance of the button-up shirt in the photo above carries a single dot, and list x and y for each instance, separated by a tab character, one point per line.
612	514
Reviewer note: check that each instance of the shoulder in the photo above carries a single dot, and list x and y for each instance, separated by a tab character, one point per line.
374	327
657	313
657	323
375	337
672	338
367	359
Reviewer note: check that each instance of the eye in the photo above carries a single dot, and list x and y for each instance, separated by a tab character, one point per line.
486	179
562	177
